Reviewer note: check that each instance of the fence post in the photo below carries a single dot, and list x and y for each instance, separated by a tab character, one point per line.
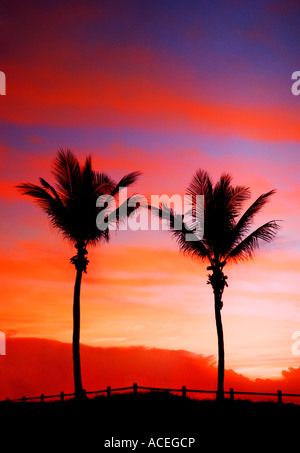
231	394
62	395
24	399
183	391
135	389
279	394
108	391
42	398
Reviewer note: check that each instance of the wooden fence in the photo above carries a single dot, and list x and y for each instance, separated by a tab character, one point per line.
182	391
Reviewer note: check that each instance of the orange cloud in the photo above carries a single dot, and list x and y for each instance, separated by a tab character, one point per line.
35	366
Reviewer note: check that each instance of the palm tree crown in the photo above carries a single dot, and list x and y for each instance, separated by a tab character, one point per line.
71	205
227	236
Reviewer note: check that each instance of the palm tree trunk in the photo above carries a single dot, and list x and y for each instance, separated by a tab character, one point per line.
221	355
76	337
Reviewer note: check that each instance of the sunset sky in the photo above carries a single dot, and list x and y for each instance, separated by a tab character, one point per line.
163	87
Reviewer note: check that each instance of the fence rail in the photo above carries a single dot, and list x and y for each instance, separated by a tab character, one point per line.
183	391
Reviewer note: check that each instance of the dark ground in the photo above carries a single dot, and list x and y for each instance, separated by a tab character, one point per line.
239	425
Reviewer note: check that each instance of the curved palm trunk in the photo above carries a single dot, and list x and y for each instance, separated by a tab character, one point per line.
218	281
221	354
76	336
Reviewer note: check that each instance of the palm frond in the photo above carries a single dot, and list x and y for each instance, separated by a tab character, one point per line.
66	170
186	238
201	184
242	226
104	184
228	199
246	248
51	204
238	196
192	246
224	183
126	181
40	194
50	188
129	206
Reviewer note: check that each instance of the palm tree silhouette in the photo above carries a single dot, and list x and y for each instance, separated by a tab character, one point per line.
225	238
71	208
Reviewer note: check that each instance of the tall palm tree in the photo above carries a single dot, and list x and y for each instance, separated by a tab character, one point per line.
226	237
71	208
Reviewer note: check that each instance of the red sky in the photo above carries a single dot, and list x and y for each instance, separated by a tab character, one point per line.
165	91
